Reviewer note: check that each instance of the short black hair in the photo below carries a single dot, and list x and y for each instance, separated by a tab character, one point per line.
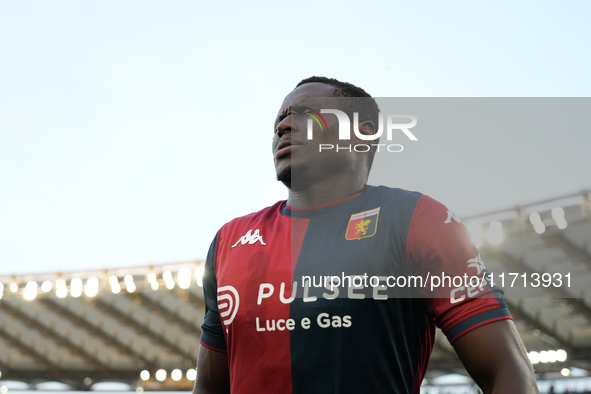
368	108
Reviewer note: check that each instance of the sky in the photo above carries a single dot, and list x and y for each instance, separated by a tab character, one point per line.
130	132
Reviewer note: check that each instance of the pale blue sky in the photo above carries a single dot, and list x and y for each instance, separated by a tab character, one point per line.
131	131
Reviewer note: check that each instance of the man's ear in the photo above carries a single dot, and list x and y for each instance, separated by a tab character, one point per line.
367	127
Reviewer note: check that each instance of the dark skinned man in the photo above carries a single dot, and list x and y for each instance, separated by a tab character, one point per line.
267	331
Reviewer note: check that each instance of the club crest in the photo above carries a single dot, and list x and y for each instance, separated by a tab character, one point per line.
363	225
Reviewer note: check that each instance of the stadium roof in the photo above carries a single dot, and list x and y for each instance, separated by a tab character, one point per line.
85	327
545	240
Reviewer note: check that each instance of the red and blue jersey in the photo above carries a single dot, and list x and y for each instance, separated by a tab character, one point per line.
274	304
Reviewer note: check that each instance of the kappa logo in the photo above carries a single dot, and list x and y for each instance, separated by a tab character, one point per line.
363	225
451	215
477	263
250	238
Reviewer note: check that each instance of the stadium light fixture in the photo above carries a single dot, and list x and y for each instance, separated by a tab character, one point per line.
47	286
558	216
1	290
495	232
91	288
128	279
30	291
61	290
153	281
543	356
534	357
152	277
565	372
176	375
3	389
161	375
184	278
192	374
536	220
168	281
561	355
557	213
145	375
13	287
199	275
76	287
115	286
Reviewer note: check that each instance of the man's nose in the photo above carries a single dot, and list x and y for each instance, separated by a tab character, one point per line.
284	126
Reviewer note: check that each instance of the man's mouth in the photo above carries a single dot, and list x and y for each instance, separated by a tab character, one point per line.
286	147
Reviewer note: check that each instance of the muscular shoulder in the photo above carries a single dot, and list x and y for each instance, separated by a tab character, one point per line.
411	204
393	197
253	222
396	205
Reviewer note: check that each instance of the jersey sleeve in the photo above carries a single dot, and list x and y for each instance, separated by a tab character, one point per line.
212	333
439	249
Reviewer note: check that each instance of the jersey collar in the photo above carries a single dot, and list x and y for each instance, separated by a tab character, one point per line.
286	210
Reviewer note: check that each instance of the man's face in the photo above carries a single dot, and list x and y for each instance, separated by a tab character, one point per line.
298	161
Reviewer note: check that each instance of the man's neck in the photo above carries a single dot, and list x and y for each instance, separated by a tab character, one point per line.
325	192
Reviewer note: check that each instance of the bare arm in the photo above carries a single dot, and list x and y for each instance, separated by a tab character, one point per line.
495	357
213	376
